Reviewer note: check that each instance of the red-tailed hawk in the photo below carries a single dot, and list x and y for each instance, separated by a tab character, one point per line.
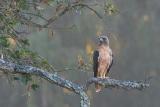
102	60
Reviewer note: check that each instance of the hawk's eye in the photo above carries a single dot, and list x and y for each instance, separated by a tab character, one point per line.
101	39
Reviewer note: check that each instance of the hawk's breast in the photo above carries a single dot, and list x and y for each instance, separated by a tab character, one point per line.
104	58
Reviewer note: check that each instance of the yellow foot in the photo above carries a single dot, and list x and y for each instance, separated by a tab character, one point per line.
98	90
106	77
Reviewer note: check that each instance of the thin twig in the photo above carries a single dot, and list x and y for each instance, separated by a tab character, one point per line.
37	15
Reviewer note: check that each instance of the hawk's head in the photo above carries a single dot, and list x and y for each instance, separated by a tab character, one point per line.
103	40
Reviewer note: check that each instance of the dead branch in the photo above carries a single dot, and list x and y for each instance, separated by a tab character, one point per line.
12	68
113	83
66	9
8	67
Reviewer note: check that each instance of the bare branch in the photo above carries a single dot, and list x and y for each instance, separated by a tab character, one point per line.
68	8
32	14
55	17
113	83
8	67
88	7
27	21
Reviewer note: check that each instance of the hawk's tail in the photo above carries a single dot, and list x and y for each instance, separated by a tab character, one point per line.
98	87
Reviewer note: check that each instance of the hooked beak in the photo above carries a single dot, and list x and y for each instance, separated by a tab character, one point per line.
101	39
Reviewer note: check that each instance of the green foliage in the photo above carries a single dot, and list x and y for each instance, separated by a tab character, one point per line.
3	42
34	86
62	1
27	57
22	53
25	42
16	78
12	22
22	4
110	8
25	79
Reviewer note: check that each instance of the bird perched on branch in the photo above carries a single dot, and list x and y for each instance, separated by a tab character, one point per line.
102	60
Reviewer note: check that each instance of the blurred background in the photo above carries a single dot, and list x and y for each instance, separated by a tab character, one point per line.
135	42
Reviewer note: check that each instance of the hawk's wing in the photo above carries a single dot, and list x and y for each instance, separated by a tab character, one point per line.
110	64
95	62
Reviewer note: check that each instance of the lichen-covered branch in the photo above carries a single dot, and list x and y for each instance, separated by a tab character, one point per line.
9	67
113	83
51	77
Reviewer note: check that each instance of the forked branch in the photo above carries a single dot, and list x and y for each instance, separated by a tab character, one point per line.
9	67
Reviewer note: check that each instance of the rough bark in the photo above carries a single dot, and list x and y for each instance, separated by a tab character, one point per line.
9	67
113	83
